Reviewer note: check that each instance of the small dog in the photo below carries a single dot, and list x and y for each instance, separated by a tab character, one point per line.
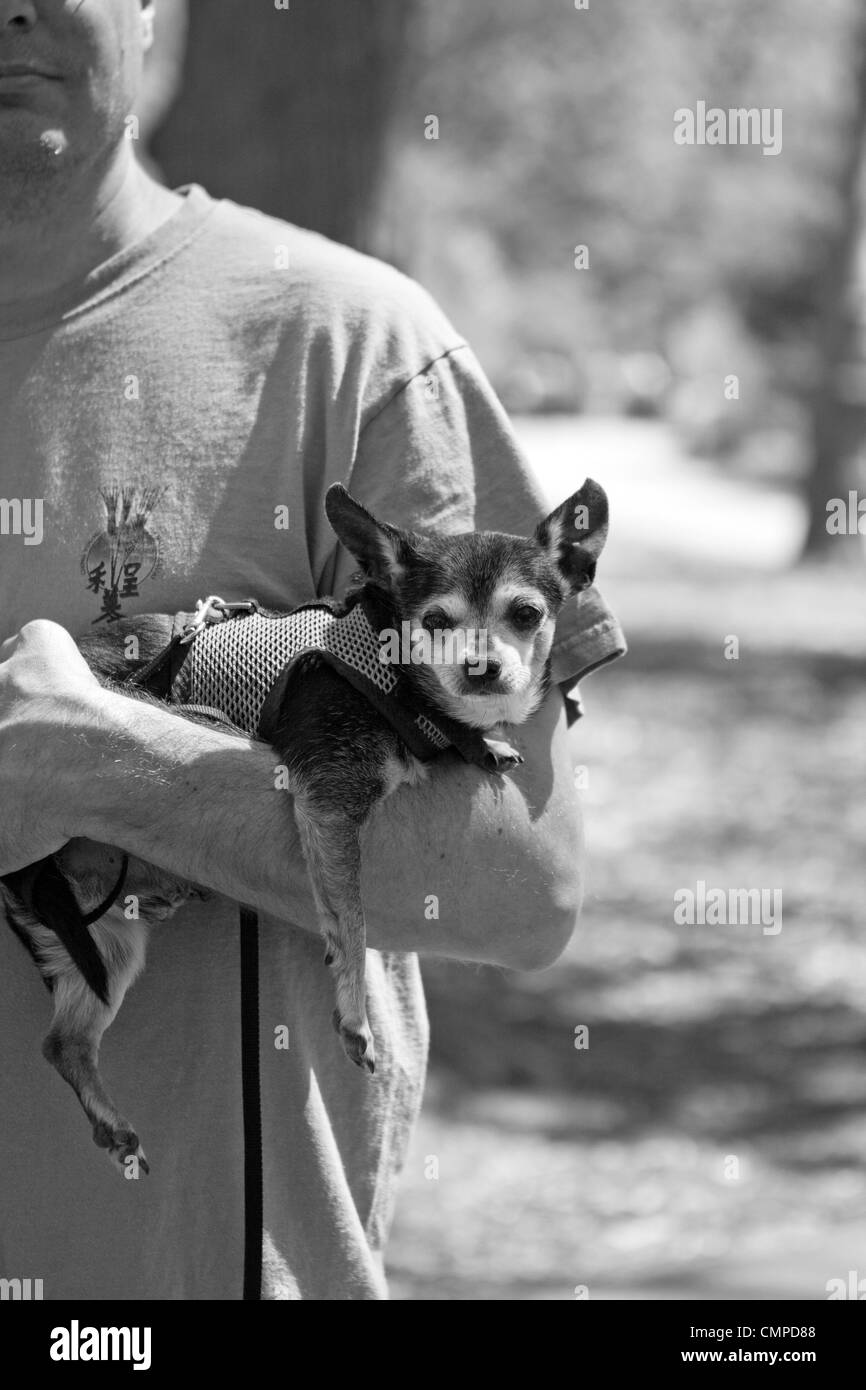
439	641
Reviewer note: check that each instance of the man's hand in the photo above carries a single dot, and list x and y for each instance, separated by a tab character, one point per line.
45	684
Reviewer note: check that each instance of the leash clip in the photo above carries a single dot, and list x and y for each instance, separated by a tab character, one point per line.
213	610
206	611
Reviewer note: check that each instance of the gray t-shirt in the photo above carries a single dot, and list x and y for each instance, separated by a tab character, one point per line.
224	369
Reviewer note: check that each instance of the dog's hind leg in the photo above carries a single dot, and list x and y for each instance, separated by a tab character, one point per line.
80	1019
332	849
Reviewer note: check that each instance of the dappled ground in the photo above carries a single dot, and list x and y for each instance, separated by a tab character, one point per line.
709	1143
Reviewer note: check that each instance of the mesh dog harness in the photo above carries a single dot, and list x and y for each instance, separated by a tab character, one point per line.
239	666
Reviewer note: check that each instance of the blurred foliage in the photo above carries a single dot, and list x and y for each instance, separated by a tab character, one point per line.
286	110
556	129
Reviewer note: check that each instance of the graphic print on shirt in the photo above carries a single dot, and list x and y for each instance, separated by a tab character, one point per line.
123	556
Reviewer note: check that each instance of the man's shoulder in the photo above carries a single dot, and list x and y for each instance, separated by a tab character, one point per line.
292	269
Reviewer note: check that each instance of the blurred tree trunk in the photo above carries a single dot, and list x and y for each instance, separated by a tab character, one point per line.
838	416
163	66
287	110
163	75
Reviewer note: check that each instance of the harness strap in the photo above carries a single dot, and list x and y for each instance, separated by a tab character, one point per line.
45	893
149	676
108	902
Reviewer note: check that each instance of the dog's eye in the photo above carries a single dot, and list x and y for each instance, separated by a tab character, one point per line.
523	615
435	620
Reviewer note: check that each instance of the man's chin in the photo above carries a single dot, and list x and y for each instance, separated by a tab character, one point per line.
28	149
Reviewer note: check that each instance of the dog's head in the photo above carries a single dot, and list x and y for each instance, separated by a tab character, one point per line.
481	607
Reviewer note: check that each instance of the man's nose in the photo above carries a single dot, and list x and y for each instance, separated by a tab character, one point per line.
485	670
17	14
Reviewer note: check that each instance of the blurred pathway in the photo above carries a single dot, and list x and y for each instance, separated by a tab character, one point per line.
661	498
695	554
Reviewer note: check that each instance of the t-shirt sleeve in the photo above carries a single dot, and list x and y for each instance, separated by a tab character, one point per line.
441	454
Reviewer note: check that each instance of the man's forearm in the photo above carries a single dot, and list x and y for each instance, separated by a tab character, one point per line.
194	800
470	866
467	865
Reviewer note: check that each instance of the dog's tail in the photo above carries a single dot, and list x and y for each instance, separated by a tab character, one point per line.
46	894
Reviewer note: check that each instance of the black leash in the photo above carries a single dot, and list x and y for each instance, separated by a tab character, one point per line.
251	1090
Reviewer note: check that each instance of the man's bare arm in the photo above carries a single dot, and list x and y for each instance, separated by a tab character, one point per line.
468	865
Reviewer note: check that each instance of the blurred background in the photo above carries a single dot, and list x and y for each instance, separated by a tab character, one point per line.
704	357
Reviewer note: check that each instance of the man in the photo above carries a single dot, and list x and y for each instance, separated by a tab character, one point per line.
178	377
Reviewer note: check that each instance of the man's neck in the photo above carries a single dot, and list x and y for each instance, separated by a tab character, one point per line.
46	255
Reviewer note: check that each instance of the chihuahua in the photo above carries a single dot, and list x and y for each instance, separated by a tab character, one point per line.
439	642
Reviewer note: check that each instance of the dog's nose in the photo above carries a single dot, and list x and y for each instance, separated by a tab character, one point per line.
485	672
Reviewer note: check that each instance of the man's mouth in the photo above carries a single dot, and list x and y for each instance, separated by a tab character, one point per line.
14	73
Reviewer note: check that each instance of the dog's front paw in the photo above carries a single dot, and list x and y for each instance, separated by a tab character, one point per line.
502	755
357	1041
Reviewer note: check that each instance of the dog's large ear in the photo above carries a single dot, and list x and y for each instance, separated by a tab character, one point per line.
574	534
380	549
